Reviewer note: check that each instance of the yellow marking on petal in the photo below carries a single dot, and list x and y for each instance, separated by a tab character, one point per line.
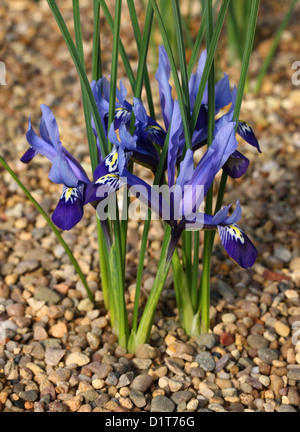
106	178
68	193
236	233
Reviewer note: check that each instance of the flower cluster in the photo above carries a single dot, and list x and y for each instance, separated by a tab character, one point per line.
144	146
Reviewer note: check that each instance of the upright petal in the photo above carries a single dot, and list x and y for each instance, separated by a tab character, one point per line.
165	90
176	142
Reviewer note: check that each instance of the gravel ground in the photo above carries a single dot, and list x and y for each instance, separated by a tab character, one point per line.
59	352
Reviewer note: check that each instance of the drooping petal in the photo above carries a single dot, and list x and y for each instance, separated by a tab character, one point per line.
238	245
69	210
165	90
61	173
28	155
236	165
247	133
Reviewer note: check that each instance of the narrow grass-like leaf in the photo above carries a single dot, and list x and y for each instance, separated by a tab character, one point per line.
205	281
138	38
167	45
96	60
127	66
81	72
208	63
197	45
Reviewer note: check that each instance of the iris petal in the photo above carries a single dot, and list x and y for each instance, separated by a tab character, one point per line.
69	210
238	245
247	133
236	165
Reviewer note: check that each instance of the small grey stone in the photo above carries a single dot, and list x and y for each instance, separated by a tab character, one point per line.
89	395
286	408
229	392
294	374
101	400
226	291
125	379
29	395
208	340
141	364
246	362
206	361
112	379
221	363
137	398
283	254
104	370
141	383
162	404
26	266
268	355
257	341
46	294
53	356
181	396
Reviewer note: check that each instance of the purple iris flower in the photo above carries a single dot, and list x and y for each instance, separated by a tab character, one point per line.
237	163
65	170
107	174
150	131
180	211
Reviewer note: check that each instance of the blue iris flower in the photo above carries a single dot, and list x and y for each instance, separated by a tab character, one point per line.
148	131
65	170
180	210
237	163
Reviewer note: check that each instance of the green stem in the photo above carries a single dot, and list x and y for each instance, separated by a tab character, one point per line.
205	281
143	332
51	225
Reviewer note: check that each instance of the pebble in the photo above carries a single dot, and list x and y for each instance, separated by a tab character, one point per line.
228	318
267	355
78	358
281	328
137	398
141	383
256	341
146	351
283	254
47	295
208	340
205	361
162	404
53	356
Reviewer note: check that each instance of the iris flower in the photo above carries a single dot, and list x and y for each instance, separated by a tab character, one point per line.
65	170
148	131
237	163
176	211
